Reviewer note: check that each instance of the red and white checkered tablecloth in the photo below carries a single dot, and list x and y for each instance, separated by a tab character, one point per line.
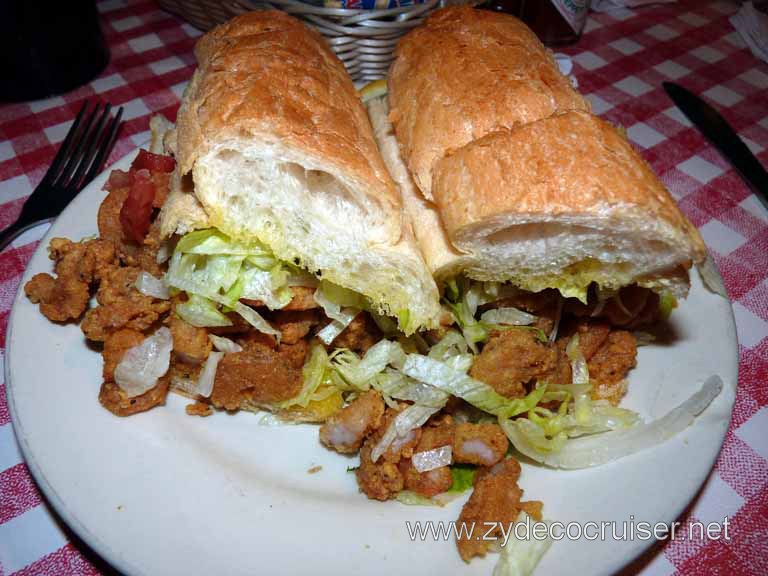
620	64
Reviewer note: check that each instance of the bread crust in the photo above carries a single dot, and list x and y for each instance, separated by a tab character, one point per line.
569	165
466	73
267	76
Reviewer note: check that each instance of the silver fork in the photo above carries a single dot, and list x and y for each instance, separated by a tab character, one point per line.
78	161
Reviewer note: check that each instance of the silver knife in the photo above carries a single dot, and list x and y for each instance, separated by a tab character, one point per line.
720	134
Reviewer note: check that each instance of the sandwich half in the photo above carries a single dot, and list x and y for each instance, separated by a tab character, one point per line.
554	246
537	196
284	222
274	149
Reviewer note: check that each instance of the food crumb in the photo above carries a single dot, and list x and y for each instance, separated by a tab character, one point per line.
314	469
199	409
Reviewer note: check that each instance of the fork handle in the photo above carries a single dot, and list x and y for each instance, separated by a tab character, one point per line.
15	230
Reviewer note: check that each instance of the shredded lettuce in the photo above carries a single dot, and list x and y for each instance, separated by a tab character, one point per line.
314	374
519	557
711	278
359	373
463	477
211	242
451	344
143	365
462	299
207	377
209	264
269	286
332	298
200	311
335	327
340	305
151	286
444	377
667	303
223	344
582	404
547	432
597	449
432	459
408	420
510	316
217	271
255	319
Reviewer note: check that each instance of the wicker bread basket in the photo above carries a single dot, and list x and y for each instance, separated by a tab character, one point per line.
363	39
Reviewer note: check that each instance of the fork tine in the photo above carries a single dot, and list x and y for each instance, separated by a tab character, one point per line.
106	146
78	145
93	140
65	147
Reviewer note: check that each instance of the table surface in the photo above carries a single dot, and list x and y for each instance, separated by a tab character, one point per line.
620	64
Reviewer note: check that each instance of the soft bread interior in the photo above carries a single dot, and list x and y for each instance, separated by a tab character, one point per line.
307	215
571	251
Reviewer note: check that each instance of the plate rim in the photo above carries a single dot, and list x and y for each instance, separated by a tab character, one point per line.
52	497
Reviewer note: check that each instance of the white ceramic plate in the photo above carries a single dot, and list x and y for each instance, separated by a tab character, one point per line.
165	493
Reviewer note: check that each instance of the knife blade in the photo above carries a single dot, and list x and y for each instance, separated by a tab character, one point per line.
722	136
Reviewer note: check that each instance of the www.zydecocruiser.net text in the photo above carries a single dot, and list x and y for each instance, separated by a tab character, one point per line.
631	529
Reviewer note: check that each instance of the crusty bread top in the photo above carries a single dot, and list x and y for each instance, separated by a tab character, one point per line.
568	166
463	74
266	75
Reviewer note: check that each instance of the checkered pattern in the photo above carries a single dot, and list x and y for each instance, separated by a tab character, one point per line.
620	64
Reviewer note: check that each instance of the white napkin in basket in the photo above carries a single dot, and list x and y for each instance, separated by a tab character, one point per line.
607	5
752	25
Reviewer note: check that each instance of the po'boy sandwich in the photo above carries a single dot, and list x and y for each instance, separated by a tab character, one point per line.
554	246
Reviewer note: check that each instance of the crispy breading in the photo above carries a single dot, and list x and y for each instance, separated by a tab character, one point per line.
511	359
184	377
496	498
303	298
198	409
345	430
608	367
260	374
191	345
380	480
77	266
592	335
60	299
115	400
121	306
294	325
427	484
438	431
361	334
480	444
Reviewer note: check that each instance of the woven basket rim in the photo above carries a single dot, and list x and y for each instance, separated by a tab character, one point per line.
350	15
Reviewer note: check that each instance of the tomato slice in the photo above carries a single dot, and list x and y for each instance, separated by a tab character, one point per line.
153	162
136	213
